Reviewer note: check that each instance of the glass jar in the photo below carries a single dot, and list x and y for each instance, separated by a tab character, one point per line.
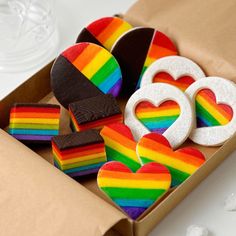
29	35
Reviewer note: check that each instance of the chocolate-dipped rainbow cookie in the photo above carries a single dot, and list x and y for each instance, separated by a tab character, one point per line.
33	122
120	145
181	163
134	192
79	154
137	49
94	112
84	70
104	31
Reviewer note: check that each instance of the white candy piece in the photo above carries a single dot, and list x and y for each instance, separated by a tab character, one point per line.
195	230
176	66
230	203
156	94
225	93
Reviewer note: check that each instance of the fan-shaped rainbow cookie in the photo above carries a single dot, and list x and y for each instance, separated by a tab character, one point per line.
120	145
208	112
181	163
134	192
34	122
97	65
161	46
104	31
157	119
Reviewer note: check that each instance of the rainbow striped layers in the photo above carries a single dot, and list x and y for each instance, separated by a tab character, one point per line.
34	122
97	65
77	154
108	29
208	112
120	145
134	192
181	163
182	83
157	119
161	46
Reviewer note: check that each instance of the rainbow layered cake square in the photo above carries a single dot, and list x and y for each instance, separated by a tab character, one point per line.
94	112
79	153
33	122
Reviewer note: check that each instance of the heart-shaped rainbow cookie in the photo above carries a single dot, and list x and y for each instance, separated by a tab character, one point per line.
208	112
157	119
181	163
120	145
134	192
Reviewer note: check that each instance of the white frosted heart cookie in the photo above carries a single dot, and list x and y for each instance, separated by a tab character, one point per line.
214	99
175	70
160	108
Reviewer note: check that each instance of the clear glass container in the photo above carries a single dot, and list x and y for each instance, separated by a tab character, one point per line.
29	35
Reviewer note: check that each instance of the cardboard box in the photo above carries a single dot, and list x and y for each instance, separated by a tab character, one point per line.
38	199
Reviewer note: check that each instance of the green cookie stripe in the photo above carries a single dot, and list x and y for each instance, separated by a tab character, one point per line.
203	113
177	176
162	118
107	69
133	193
113	155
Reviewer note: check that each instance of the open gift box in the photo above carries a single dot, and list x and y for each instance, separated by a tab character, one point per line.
38	199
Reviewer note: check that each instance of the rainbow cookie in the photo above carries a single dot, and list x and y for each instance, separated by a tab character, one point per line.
161	108
85	70
134	192
214	99
182	163
33	122
135	50
120	145
94	112
104	31
175	70
79	154
157	119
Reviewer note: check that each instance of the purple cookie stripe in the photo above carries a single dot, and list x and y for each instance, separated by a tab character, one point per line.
32	137
134	212
85	172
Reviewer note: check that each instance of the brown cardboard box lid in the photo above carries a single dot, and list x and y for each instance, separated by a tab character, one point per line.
36	198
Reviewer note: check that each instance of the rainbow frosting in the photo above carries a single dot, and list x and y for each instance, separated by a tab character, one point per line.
182	163
134	192
120	145
157	119
208	112
34	122
108	29
96	64
79	154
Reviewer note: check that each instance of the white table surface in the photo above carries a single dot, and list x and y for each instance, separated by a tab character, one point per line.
204	206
